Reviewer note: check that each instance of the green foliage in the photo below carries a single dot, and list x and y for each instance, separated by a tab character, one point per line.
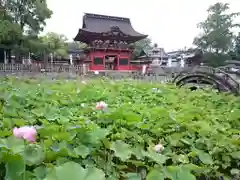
9	31
199	130
20	19
50	43
34	44
217	35
237	47
55	43
77	45
29	15
215	60
142	45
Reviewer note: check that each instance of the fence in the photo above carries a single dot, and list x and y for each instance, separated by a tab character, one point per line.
39	68
56	71
135	75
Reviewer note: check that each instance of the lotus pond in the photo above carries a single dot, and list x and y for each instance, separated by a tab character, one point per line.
103	129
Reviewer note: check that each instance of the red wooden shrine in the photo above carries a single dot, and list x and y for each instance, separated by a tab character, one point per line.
108	39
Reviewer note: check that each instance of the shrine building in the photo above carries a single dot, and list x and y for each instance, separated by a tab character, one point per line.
108	39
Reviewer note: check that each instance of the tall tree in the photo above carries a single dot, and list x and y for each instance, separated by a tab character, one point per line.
9	31
217	35
29	15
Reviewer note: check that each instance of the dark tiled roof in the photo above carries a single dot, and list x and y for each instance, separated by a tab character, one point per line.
100	24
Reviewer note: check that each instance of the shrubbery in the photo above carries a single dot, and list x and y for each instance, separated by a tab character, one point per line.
77	141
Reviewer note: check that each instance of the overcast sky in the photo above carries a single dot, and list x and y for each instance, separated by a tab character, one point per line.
169	23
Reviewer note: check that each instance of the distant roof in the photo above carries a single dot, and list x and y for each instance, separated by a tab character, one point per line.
153	53
107	27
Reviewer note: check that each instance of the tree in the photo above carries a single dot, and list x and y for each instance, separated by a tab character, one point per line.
77	45
9	31
144	44
41	47
55	43
235	52
237	46
217	36
28	15
51	43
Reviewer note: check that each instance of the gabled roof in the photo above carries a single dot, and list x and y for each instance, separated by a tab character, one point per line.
103	26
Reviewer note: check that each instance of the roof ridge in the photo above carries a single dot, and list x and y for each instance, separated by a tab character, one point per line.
100	16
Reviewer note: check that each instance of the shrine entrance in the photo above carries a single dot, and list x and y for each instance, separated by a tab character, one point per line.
108	39
110	62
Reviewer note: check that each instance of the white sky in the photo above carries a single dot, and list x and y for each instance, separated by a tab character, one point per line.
169	23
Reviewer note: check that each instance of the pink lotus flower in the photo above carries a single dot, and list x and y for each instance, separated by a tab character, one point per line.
158	148
26	132
101	105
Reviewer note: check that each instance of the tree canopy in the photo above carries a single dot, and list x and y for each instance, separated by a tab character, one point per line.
55	43
30	15
217	36
76	45
9	31
144	44
21	22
